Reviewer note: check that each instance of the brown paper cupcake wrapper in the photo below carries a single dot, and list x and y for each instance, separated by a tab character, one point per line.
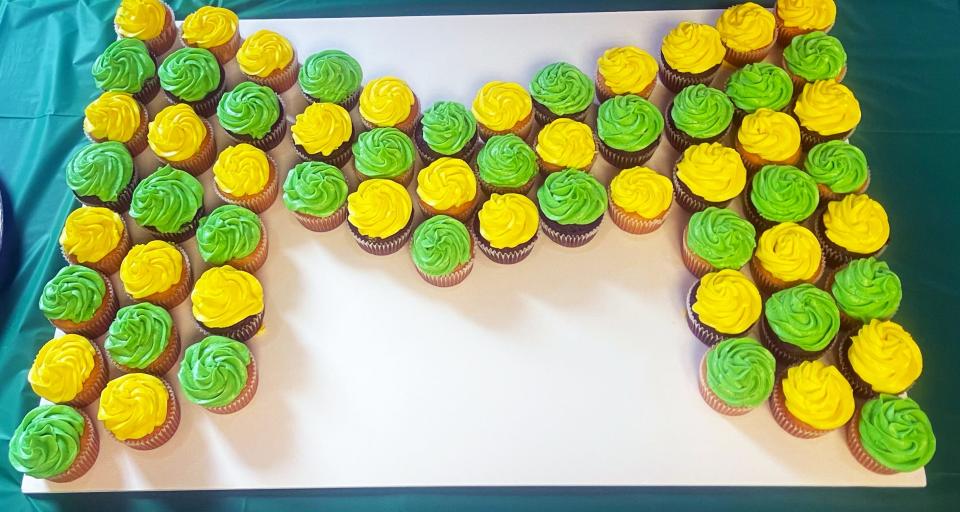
406	125
95	383
165	431
323	224
253	261
852	434
626	159
241	331
246	394
463	213
493	189
272	139
173	296
347	104
633	223
697	266
148	90
224	52
99	323
452	279
705	334
338	158
383	246
827	195
712	399
185	233
687	200
203	160
522	129
163	363
206	106
428	155
787	421
810	138
403	179
739	58
751	214
786	34
86	454
121	204
261	201
110	263
769	284
785	352
545	116
281	79
567	239
754	163
680	140
676	80
508	256
138	142
604	92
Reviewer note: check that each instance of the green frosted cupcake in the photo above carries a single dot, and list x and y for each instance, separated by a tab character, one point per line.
561	90
890	435
736	376
780	193
839	168
571	204
102	174
506	164
799	323
232	235
442	251
717	239
447	128
253	114
55	442
193	76
759	85
629	129
331	76
168	204
384	153
79	300
814	56
316	193
866	289
142	338
126	66
218	374
698	114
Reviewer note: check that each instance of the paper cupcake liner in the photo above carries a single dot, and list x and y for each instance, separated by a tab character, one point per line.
712	399
604	92
676	80
403	179
185	233
787	421
383	246
569	239
786	34
110	262
428	155
253	261
506	256
271	139
338	158
547	168
463	212
94	383
406	125
490	189
347	104
521	129
680	140
799	81
697	266
739	59
261	201
454	278
323	224
224	52
785	352
246	394
754	163
810	138
163	41
121	204
148	90
837	256
752	215
827	195
86	454
704	333
687	200
163	363
138	142
545	116
626	159
240	331
206	106
203	160
852	433
165	431
633	223
173	296
281	79
768	283
99	323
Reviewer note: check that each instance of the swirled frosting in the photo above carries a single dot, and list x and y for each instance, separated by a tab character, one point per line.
508	220
897	433
214	371
692	48
818	395
314	188
383	153
885	356
841	166
229	232
224	296
760	85
166	200
176	133
151	268
627	69
562	88
701	112
100	170
386	101
773	136
721	237
440	245
866	288
73	294
807	14
712	171
190	73
141	19
740	372
446	183
506	161
62	367
501	105
379	208
241	170
628	123
322	128
827	107
91	232
790	252
264	53
815	56
138	335
210	26
642	191
134	405
112	116
746	27
249	109
124	66
804	316
47	441
447	127
572	197
330	76
727	302
567	143
783	193
857	223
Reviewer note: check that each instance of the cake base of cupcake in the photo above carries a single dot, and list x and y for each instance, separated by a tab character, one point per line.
240	331
827	195
428	155
768	284
680	140
121	204
677	80
162	42
786	34
97	324
186	232
261	201
173	296
462	212
110	262
270	140
521	129
403	178
787	421
631	222
348	103
246	394
706	334
279	80
94	384
547	168
860	386
138	141
738	58
338	158
87	452
621	159
323	224
688	200
225	52
569	235
837	256
406	125
383	246
810	138
491	189
604	92
786	352
505	255
165	431
712	399
206	106
163	363
852	434
148	90
453	278
253	261
545	116
697	266
203	160
754	162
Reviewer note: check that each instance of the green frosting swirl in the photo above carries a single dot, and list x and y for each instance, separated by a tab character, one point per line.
73	294
897	433
124	66
783	193
721	237
572	197
841	166
166	200
562	88
190	73
506	161
229	232
383	153
330	76
314	188
804	316
214	371
47	441
138	335
740	372
101	170
866	289
440	245
760	85
815	56
447	127
249	109
629	123
701	112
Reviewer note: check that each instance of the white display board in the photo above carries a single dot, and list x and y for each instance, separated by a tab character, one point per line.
574	367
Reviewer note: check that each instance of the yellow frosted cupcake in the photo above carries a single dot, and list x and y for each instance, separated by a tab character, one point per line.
380	215
706	175
723	304
213	28
639	199
182	139
323	133
388	102
246	176
748	31
626	70
501	108
768	137
811	399
157	272
787	254
797	17
118	117
826	110
150	21
565	144
228	302
853	227
69	370
95	237
448	186
269	59
881	357
691	54
506	227
139	410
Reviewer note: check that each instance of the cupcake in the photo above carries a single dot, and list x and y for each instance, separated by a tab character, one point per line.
102	175
143	339
193	76
95	237
218	374
157	272
215	29
233	235
780	193
228	302
748	32
811	399
814	56
721	305
380	216
565	144
691	54
503	108
698	114
253	114
54	442
716	239
881	357
787	254
181	138
628	128
447	187
865	289
561	90
331	76
768	137
826	110
168	204
442	251
839	168
316	193
571	205
246	176
799	323
150	21
447	129
625	70
506	227
853	227
706	175
126	66
798	17
268	59
506	164
891	435
139	410
68	370
756	86
388	102
385	153
118	117
323	133
736	376
639	200
79	300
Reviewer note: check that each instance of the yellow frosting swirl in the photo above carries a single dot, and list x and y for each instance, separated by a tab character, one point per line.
727	301
773	136
210	26
241	170
692	48
264	53
627	69
857	223
151	268
386	101
91	232
712	171
176	133
112	116
642	191
747	27
508	220
790	252
133	406
61	368
807	14
446	183
379	208
827	108
322	128
818	395
142	19
885	356
223	296
501	105
567	143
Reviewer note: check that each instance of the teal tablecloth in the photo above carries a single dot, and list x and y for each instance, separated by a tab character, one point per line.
904	67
